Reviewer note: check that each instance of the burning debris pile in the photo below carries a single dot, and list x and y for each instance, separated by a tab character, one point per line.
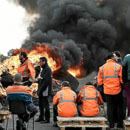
9	67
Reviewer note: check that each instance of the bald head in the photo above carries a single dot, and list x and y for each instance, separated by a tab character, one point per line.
18	78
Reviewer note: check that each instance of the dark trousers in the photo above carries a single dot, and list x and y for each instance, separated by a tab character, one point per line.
44	108
127	91
124	108
32	109
115	102
55	113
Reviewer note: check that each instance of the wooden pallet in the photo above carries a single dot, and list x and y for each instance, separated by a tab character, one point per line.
4	114
126	124
83	122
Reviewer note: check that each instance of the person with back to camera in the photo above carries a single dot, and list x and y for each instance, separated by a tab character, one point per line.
19	92
64	102
110	76
119	61
90	99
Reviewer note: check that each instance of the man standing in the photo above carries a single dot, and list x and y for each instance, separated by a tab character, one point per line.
44	89
126	80
26	69
64	102
110	76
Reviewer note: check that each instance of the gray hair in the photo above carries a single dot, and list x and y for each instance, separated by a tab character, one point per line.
18	77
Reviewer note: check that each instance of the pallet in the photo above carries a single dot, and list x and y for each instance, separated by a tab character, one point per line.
126	124
83	122
4	114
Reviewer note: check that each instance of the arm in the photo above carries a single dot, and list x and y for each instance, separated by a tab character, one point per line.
100	101
79	97
120	75
100	79
56	98
29	91
32	72
124	70
45	81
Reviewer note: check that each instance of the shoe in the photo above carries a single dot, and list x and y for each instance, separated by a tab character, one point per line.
33	113
19	124
1	128
128	118
24	126
38	120
45	121
55	124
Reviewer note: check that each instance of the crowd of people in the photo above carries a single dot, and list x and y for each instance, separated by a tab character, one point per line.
112	85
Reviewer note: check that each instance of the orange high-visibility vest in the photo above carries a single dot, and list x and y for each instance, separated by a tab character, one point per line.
110	75
66	102
90	99
27	70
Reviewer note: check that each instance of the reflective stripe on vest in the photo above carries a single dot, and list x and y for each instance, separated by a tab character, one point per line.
62	100
89	98
110	76
25	70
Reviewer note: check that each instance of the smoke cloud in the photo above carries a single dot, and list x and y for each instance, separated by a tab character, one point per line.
85	29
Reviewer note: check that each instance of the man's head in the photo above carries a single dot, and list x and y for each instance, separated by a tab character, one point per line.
89	83
65	84
22	56
118	54
43	61
18	78
112	56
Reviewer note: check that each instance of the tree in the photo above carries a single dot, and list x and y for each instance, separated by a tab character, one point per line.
2	58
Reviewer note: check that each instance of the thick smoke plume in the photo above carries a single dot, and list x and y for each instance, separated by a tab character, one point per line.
80	29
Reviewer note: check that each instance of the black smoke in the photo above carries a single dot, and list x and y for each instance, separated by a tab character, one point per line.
86	29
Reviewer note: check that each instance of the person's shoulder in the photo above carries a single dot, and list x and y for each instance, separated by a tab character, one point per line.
127	56
9	87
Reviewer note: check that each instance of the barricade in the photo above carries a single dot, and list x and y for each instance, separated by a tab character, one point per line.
126	125
82	122
4	114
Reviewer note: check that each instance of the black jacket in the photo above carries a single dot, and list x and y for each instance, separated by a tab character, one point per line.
45	80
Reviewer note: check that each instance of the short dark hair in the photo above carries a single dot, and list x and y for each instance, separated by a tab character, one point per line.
43	59
24	54
117	53
89	83
65	84
109	56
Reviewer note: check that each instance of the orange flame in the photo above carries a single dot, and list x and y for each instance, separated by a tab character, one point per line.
77	71
54	60
39	50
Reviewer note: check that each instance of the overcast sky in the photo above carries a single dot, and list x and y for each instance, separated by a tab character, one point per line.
12	26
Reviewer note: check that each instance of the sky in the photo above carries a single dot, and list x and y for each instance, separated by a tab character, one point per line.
13	26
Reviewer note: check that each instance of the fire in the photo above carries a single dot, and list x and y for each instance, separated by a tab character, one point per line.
77	71
54	60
